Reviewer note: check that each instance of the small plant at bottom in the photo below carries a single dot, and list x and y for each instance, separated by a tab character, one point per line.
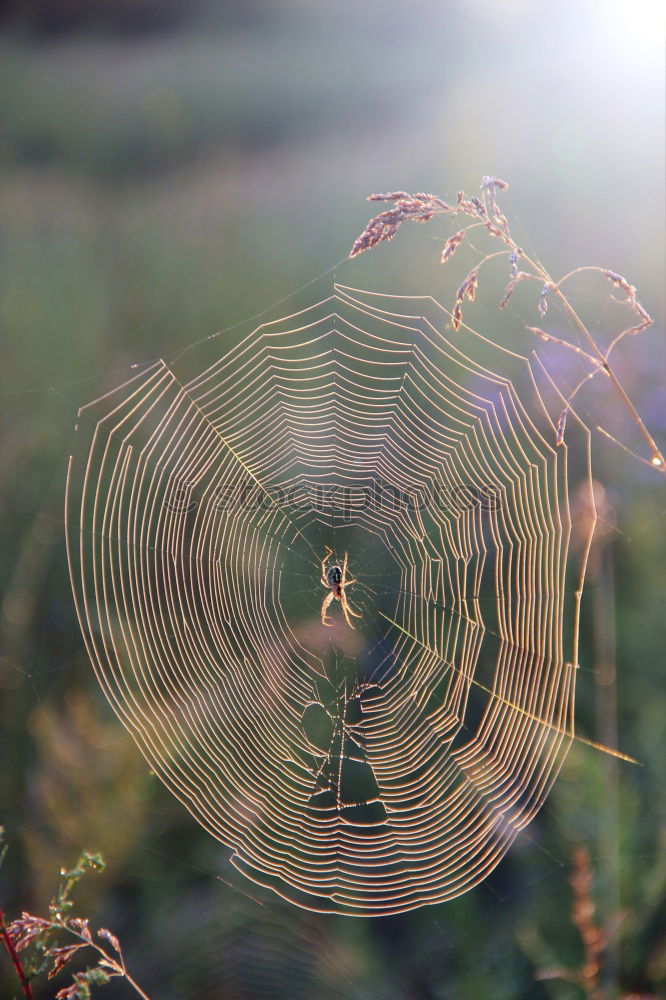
52	942
594	937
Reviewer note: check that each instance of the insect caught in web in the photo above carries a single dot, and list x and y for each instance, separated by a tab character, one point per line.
335	578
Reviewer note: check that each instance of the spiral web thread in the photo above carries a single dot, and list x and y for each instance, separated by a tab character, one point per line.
364	771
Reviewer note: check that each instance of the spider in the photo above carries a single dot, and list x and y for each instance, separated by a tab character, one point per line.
336	580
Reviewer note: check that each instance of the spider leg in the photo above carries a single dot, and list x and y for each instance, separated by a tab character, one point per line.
345	582
324	606
352	612
347	610
329	553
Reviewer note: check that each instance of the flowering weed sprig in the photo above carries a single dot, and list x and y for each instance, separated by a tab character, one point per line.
484	213
38	945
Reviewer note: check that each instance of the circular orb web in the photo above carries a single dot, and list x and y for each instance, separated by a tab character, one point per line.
363	770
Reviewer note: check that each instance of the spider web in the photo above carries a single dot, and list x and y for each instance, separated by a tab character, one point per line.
366	771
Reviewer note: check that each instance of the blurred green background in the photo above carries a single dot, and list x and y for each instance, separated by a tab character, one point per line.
171	169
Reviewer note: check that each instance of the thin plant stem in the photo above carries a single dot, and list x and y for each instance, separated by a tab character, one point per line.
657	459
16	961
656	456
117	967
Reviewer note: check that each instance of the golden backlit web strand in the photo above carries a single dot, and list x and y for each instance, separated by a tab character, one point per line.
365	771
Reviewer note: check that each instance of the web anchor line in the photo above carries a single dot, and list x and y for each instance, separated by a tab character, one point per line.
518	708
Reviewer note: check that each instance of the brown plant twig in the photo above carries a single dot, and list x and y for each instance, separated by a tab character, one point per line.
16	961
582	915
593	938
485	212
